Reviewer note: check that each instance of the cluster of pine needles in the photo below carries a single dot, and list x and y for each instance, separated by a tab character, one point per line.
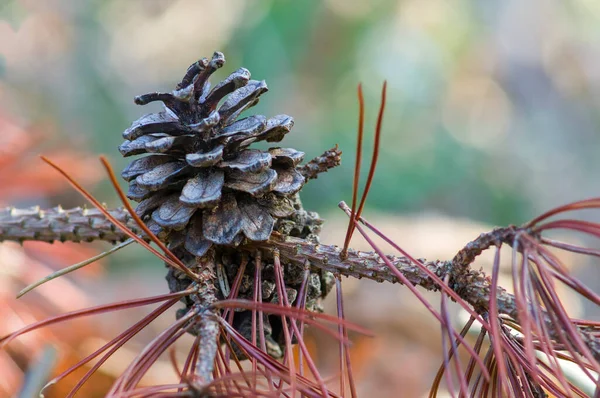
525	340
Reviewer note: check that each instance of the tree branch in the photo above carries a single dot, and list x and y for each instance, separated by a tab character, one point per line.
473	286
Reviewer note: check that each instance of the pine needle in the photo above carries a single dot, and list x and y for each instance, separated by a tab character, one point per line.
73	267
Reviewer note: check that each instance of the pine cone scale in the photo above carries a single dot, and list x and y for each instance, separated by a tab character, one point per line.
223	223
205	159
203	190
173	214
162	175
249	161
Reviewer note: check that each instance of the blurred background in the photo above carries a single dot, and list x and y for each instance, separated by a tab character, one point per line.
492	113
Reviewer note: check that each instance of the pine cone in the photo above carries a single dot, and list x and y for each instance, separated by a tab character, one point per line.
199	183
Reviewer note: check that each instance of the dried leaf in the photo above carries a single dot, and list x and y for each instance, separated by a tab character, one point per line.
250	160
195	242
204	189
223	223
205	159
173	214
257	223
288	157
144	165
252	183
289	181
162	175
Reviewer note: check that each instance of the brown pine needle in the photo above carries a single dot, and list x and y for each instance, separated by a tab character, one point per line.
375	157
73	267
355	215
357	164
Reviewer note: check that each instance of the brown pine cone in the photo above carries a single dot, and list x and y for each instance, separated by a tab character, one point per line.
199	183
